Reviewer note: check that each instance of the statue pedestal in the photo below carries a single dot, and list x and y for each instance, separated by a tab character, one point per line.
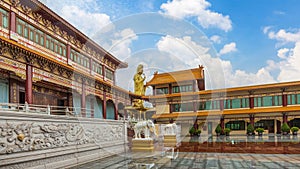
142	145
170	140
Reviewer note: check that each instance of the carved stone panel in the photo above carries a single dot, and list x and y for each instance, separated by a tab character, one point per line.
33	136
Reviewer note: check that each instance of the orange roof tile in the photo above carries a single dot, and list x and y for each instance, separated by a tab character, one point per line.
177	76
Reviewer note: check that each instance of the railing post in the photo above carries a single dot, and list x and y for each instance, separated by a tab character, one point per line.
67	111
26	107
48	111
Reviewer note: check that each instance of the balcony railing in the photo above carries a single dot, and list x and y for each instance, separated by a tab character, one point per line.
45	109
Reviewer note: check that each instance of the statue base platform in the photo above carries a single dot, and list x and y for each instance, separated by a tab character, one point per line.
170	141
142	145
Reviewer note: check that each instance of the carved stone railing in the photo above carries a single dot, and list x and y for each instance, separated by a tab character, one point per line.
43	141
43	109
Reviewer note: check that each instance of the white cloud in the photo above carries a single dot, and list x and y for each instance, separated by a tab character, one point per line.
282	53
86	16
217	70
87	22
121	42
290	66
183	48
228	48
266	29
284	36
197	8
215	39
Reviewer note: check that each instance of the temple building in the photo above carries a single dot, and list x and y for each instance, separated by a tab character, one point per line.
44	60
181	97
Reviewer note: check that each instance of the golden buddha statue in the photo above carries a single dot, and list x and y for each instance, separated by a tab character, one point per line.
139	78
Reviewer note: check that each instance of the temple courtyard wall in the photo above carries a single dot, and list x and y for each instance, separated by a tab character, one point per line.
29	140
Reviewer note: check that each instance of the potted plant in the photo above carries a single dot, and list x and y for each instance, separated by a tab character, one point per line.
285	129
227	131
250	130
192	131
218	130
295	130
260	131
198	132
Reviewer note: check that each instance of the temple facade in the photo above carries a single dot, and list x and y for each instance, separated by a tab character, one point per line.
44	60
181	97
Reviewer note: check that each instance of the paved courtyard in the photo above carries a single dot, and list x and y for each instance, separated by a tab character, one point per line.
187	160
268	152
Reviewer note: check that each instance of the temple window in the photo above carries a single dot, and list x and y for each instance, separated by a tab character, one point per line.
175	89
201	106
3	18
78	58
187	106
35	35
267	101
236	125
277	100
176	107
235	103
227	104
208	105
97	68
244	102
258	102
215	104
109	74
163	90
182	107
293	99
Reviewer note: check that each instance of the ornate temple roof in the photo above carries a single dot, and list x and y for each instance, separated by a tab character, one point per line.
177	76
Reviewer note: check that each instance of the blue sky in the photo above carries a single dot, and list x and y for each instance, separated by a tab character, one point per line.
239	42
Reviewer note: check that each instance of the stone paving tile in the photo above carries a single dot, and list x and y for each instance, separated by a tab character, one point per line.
200	160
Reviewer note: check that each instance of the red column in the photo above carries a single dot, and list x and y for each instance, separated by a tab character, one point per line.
83	102
222	124
196	123
201	84
251	102
153	90
221	104
104	105
170	88
13	21
195	108
284	100
92	108
284	118
68	52
170	107
103	72
194	105
251	119
116	110
28	85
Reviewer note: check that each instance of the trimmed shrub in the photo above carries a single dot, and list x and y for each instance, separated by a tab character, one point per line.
250	129
285	128
218	129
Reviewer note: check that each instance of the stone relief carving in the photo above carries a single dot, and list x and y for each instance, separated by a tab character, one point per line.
28	136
